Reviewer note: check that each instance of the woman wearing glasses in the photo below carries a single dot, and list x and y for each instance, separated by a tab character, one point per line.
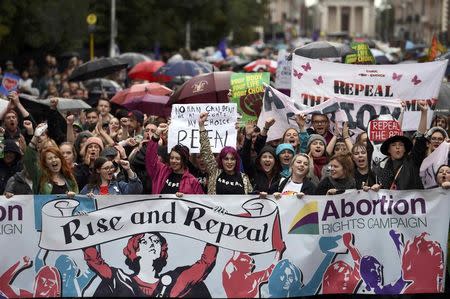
102	180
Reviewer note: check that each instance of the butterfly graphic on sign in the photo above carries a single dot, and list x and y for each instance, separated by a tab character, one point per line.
396	76
416	80
297	74
319	80
199	86
306	67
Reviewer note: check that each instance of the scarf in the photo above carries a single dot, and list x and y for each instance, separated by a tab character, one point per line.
318	165
286	171
343	184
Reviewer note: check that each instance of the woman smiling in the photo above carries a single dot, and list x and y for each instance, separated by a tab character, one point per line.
341	176
224	174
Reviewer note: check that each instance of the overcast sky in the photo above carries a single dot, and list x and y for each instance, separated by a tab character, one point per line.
311	2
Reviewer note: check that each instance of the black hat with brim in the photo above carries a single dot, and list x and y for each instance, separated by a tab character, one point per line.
405	140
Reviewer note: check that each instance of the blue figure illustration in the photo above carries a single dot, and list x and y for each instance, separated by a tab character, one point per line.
372	271
287	279
73	280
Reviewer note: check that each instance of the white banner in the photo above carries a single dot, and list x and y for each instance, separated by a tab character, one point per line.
283	75
314	81
220	126
432	163
63	231
390	242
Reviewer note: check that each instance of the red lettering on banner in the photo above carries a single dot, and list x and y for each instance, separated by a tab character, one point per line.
381	130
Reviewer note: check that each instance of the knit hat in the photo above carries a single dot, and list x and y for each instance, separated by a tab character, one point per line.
10	146
109	152
183	151
267	149
284	146
436	129
314	137
89	141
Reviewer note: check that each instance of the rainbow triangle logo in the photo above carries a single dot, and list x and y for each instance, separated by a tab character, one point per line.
306	222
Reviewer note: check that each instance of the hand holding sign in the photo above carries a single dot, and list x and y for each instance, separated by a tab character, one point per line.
202	119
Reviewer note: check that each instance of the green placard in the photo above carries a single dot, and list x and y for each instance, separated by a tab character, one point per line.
247	92
363	55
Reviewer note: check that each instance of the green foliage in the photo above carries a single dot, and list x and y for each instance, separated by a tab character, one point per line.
28	26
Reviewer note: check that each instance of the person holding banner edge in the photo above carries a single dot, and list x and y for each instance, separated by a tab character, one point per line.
174	178
224	174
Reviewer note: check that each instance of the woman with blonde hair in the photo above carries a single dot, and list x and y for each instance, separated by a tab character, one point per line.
299	182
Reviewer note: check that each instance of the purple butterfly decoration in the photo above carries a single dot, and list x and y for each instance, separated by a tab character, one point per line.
319	80
396	76
306	67
416	80
297	74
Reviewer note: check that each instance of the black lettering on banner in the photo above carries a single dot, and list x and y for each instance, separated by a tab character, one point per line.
347	107
269	99
360	115
70	229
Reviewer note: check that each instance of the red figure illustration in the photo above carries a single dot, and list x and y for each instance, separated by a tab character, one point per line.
146	255
423	265
340	277
239	278
47	282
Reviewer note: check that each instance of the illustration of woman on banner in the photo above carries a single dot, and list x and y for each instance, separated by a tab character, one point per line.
47	282
73	280
146	255
340	277
287	279
372	272
239	278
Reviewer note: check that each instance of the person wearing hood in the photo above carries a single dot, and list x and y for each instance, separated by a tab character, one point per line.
21	183
172	179
10	164
285	152
264	173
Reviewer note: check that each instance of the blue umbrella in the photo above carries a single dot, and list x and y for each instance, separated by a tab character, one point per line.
184	68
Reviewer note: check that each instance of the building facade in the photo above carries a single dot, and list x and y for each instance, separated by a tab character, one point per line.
418	20
355	18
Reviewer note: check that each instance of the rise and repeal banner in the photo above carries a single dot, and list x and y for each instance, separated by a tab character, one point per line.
390	242
313	81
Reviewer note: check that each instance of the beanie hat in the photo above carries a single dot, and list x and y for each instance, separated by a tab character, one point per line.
109	152
10	146
183	151
284	146
267	149
314	137
436	129
89	141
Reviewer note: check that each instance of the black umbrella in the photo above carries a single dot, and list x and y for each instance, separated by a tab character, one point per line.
101	85
97	68
324	49
133	58
443	104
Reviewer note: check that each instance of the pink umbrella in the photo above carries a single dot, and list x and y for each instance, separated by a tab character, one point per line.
139	90
149	104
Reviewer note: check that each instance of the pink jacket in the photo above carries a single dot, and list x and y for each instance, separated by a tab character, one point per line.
159	172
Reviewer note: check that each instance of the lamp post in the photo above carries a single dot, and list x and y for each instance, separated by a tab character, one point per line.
91	20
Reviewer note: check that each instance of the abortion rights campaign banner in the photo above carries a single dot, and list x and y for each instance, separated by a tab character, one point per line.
247	91
314	81
221	129
390	242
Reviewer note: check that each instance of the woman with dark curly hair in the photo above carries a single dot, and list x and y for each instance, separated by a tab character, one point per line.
146	255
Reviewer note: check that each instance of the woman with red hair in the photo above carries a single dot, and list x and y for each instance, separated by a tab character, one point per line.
146	255
224	174
52	174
